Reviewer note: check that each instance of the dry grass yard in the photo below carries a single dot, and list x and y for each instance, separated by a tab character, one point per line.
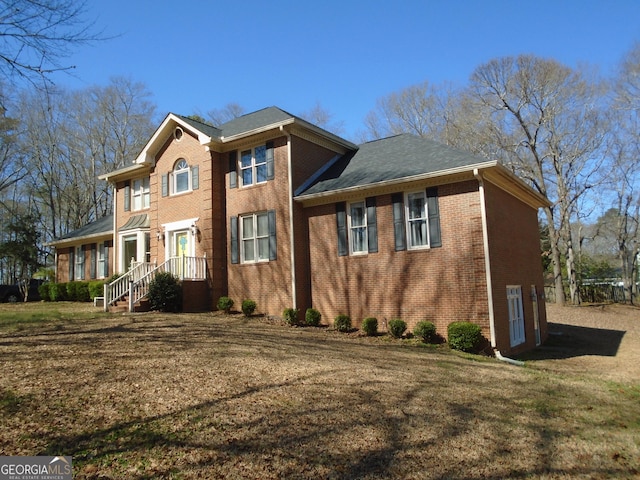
211	396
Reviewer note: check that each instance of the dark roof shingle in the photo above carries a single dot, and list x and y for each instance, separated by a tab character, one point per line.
391	158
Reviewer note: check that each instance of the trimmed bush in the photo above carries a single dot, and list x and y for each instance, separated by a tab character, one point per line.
96	289
165	293
312	317
426	331
248	306
342	323
225	304
290	316
44	291
370	326
58	292
464	336
397	327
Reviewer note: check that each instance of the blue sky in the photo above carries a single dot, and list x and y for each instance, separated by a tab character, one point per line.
195	55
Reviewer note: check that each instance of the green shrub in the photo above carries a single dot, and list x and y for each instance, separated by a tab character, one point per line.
290	316
312	317
165	293
113	278
96	289
82	292
44	292
370	326
397	327
342	323
248	306
225	304
464	336
58	292
426	331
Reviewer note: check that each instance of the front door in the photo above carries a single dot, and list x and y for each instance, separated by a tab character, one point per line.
181	249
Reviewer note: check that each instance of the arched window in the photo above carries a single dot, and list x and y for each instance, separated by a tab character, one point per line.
181	177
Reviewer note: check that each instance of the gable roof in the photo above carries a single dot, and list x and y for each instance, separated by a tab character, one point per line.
101	227
255	121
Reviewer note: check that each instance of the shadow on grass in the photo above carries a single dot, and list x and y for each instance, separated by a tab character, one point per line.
568	341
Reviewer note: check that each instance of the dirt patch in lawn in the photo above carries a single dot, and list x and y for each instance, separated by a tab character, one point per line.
212	396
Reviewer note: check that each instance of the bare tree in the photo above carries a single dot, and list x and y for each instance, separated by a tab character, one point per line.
12	168
547	126
425	110
232	110
624	179
320	116
37	35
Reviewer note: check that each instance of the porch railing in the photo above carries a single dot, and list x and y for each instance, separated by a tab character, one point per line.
135	283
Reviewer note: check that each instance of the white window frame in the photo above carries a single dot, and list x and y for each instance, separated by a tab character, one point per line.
516	315
143	239
253	167
181	167
101	261
79	263
140	194
409	221
362	227
259	241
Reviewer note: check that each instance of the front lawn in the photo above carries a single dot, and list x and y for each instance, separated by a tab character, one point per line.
212	396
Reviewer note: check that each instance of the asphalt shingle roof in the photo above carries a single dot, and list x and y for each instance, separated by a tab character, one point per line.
103	225
254	120
391	158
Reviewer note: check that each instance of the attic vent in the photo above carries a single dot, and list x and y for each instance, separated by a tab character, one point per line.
177	133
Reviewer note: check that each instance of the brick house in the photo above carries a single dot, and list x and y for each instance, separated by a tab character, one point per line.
273	208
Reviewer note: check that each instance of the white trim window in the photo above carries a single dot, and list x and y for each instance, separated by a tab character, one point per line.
417	220
358	228
102	260
516	315
254	234
253	165
79	257
141	193
181	177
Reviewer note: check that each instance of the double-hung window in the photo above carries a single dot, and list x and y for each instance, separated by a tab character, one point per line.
416	220
141	193
79	274
358	228
255	237
417	225
253	165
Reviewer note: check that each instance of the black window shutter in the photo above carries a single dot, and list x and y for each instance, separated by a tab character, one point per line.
93	262
165	184
106	260
270	167
127	197
233	172
433	213
372	226
273	246
398	221
234	240
72	263
341	222
195	177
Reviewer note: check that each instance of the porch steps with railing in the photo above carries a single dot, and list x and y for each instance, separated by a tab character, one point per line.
129	292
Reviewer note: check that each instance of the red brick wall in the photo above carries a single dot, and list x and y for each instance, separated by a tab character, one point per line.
514	242
441	285
62	265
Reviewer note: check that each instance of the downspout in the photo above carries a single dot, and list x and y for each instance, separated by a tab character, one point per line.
291	222
487	268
